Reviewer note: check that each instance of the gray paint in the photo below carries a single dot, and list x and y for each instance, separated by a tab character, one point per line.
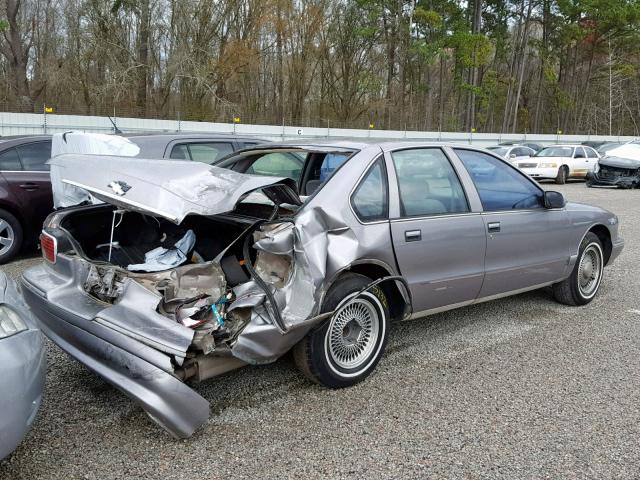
22	372
457	263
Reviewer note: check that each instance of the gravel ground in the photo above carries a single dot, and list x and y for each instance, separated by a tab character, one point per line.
515	388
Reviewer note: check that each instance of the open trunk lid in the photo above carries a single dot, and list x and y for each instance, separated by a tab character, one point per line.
168	188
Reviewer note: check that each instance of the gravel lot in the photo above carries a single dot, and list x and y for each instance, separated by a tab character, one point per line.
515	388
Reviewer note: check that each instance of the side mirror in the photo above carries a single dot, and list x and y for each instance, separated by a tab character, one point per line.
513	155
554	200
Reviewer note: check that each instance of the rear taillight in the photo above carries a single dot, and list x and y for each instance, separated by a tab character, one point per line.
49	247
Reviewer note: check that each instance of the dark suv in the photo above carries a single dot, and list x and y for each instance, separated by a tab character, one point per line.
25	186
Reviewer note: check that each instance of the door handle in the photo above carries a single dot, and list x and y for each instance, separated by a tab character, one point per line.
413	235
29	186
493	227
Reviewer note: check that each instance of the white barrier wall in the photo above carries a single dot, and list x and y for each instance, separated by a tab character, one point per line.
32	123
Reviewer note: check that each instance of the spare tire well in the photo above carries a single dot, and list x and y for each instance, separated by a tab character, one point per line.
604	236
390	289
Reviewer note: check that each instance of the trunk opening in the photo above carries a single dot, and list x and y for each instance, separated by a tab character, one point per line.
136	233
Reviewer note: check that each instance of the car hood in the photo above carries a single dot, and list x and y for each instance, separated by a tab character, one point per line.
168	188
628	150
617	162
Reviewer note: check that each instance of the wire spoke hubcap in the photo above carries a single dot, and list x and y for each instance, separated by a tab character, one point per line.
6	236
353	333
590	270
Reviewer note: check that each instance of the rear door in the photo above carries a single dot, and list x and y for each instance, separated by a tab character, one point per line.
439	242
527	244
580	165
31	184
592	158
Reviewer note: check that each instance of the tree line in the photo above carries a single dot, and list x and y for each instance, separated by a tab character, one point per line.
537	66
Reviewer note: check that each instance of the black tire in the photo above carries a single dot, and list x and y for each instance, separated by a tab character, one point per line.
10	230
315	354
561	177
570	291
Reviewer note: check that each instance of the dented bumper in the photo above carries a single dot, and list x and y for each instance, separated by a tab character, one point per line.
133	367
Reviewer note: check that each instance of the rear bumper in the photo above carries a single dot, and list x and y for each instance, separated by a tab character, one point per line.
23	368
129	365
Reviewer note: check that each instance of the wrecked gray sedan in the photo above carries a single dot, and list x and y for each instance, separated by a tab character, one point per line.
188	271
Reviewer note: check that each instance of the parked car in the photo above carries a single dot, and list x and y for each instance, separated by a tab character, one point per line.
620	167
25	191
533	146
191	270
513	153
560	163
595	144
22	367
605	147
25	185
199	147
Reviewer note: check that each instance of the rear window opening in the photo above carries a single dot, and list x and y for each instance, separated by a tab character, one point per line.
310	168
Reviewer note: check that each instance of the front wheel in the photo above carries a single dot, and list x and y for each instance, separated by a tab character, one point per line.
584	281
561	177
347	347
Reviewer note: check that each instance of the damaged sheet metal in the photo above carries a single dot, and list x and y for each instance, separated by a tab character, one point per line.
136	315
318	244
142	302
168	188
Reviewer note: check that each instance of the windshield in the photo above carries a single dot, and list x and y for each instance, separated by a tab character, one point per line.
608	146
499	150
555	152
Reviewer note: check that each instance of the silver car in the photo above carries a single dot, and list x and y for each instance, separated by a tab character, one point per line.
188	270
22	367
513	153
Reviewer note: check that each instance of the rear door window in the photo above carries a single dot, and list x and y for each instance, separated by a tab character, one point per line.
9	160
205	152
591	153
428	183
370	200
180	152
35	155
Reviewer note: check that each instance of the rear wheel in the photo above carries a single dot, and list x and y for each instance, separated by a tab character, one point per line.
584	282
563	173
10	236
347	347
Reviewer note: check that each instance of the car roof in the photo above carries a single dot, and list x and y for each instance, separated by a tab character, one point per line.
14	140
358	144
184	133
571	145
154	144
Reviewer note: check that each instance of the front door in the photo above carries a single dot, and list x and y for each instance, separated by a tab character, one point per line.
439	243
527	244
